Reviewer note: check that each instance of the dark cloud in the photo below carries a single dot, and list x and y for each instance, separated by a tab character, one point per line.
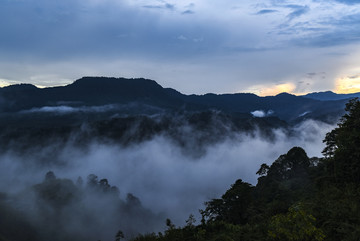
294	6
345	33
188	12
331	31
314	75
140	38
266	11
153	6
170	6
107	31
163	6
299	11
349	2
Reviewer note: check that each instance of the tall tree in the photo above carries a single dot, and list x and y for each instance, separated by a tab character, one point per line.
342	146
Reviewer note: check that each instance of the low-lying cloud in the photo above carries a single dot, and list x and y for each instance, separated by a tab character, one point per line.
168	181
262	113
64	109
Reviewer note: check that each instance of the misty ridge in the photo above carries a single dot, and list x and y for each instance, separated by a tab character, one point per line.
75	165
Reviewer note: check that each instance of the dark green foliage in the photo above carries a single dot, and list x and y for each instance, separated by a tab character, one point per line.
295	225
286	181
233	205
342	146
296	198
338	210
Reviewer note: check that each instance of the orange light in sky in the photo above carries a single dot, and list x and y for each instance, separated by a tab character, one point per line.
347	85
263	90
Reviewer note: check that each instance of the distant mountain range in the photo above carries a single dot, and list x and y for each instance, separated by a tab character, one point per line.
127	111
111	92
329	95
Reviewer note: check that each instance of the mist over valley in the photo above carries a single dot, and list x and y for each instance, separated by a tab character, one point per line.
165	120
143	153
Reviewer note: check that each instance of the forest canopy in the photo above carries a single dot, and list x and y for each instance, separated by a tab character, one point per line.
295	198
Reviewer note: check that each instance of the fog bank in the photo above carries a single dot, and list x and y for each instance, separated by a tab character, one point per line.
161	174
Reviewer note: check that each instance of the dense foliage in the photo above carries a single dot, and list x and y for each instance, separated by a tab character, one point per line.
296	198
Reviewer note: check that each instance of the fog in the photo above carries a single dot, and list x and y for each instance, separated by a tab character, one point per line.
261	113
66	109
170	181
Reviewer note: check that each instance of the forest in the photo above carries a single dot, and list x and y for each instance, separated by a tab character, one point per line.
295	198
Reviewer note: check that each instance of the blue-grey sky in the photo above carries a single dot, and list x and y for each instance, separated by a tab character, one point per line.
194	46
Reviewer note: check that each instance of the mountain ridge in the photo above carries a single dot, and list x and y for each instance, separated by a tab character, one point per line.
97	91
92	80
329	95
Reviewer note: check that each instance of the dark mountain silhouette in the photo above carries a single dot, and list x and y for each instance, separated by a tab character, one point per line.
285	106
329	95
98	91
87	91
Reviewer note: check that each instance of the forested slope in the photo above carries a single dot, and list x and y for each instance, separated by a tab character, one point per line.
296	198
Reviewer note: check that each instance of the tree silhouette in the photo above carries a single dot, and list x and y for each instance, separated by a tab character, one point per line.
342	146
119	235
50	176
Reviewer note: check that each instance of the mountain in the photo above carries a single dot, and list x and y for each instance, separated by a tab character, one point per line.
285	106
329	95
87	91
137	96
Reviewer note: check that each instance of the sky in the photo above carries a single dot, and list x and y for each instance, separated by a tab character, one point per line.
195	46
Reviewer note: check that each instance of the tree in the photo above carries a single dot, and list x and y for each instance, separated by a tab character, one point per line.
190	221
119	235
233	205
132	200
92	180
295	225
169	224
342	150
264	168
292	164
50	176
283	183
104	185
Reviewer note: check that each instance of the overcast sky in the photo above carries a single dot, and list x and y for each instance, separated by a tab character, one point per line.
194	46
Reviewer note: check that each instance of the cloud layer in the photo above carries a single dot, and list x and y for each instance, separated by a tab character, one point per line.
167	179
196	47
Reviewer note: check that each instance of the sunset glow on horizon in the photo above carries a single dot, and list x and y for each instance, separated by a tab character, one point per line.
262	90
347	85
